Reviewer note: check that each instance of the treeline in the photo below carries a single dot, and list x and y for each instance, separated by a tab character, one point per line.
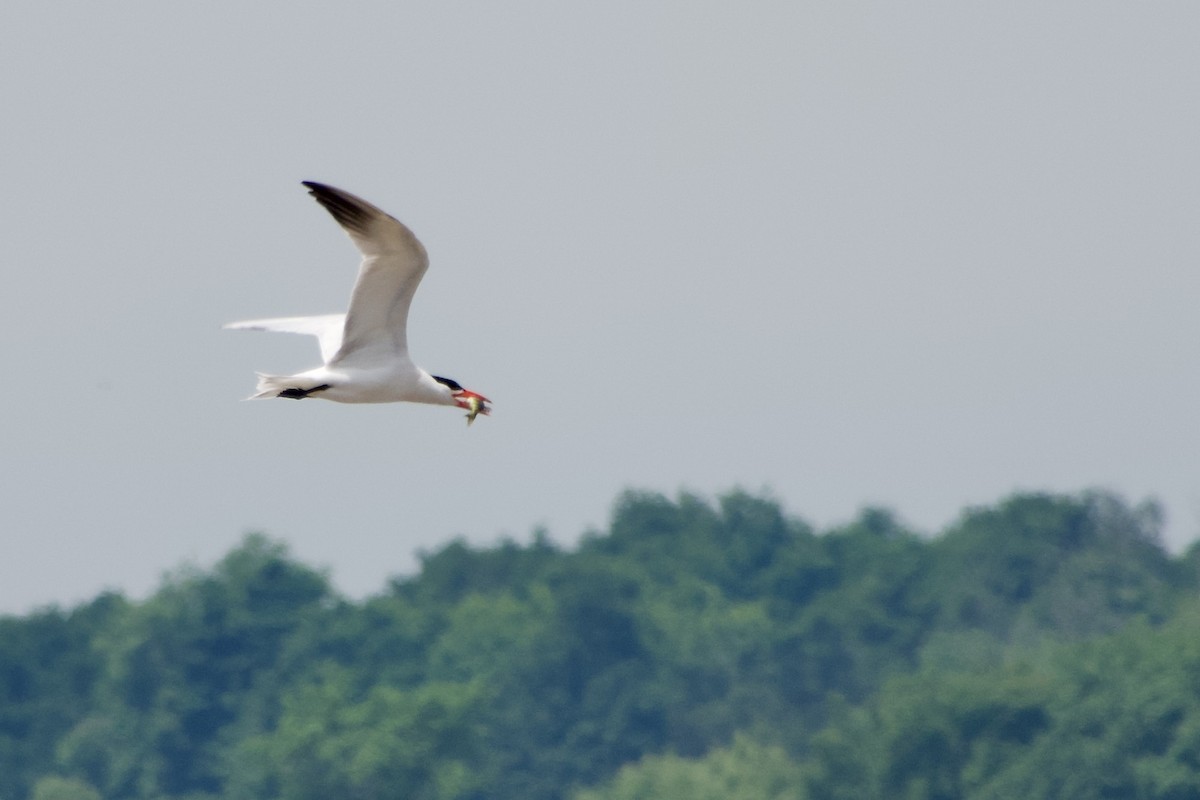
1046	647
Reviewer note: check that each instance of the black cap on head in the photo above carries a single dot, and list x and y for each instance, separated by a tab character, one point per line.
454	385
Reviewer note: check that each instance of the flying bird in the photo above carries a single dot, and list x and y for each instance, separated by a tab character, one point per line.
365	350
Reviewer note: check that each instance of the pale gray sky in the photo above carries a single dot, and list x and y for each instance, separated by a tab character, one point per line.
910	254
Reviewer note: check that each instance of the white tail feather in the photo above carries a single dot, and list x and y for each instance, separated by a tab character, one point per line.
272	385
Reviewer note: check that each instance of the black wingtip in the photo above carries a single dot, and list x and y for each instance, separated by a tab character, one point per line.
319	190
347	209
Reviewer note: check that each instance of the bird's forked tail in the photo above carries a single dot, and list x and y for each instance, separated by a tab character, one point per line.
291	386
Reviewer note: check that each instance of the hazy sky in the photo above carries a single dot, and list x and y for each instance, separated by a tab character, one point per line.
917	255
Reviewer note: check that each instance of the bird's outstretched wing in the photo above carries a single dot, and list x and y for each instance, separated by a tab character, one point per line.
394	262
327	328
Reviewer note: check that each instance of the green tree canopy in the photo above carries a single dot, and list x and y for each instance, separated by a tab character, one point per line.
1042	647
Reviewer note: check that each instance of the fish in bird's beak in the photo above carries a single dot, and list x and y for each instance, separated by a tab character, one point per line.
475	404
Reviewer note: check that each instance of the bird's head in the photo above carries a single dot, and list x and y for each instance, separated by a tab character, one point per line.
473	402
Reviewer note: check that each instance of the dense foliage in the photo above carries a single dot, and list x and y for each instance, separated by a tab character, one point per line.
1046	647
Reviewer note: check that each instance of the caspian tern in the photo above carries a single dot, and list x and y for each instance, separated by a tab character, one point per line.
365	350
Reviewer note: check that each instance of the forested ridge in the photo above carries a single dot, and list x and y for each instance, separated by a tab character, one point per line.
1044	647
